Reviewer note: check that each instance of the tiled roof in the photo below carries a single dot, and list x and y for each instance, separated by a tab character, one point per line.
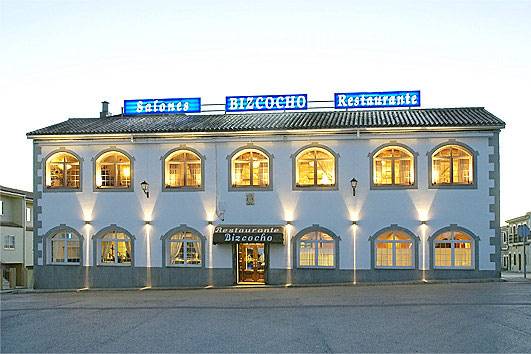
28	195
397	118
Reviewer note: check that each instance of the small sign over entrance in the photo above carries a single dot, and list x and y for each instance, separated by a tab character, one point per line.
248	233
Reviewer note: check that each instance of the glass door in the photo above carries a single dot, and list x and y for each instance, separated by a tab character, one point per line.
251	263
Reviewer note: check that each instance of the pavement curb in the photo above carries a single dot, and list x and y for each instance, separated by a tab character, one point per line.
239	287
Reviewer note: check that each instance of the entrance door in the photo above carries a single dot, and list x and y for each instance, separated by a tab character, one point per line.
251	263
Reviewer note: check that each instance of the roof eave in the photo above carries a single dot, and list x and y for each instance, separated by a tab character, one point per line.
91	136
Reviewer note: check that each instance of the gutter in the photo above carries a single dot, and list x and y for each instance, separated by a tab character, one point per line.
252	133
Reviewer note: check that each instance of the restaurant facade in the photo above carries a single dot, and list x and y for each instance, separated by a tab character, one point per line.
280	198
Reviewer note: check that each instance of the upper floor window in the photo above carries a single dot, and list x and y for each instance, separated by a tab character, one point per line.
316	249
315	167
28	214
1	207
452	165
114	248
9	242
394	249
393	166
184	248
65	248
182	169
250	168
453	249
62	171
113	170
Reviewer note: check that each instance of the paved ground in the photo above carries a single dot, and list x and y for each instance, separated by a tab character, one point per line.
474	317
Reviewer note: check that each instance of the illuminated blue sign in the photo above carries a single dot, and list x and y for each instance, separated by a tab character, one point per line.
377	99
162	106
266	103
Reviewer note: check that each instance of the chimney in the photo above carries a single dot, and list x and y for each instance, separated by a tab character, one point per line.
104	109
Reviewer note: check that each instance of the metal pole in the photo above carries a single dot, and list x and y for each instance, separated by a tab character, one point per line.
525	259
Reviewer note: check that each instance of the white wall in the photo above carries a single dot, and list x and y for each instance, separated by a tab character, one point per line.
374	209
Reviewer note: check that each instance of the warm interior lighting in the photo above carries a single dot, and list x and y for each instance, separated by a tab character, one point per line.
183	170
62	171
393	165
315	167
452	164
113	170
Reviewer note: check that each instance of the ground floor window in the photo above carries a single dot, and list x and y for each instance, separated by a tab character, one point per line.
114	248
65	248
184	248
453	249
394	249
316	249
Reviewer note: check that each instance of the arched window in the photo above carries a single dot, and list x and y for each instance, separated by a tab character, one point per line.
452	165
184	248
250	168
65	248
315	167
316	248
453	249
394	249
113	170
393	166
63	245
114	248
62	171
182	169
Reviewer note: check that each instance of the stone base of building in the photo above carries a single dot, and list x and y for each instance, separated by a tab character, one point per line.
72	277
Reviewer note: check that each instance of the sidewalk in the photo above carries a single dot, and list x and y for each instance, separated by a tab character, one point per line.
515	276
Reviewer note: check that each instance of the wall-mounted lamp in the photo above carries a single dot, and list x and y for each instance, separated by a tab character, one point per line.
354	184
147	222
354	222
210	222
88	222
423	222
289	222
145	188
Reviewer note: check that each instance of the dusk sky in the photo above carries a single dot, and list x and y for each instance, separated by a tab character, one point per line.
60	59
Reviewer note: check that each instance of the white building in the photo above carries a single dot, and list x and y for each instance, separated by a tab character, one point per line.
513	255
267	197
16	234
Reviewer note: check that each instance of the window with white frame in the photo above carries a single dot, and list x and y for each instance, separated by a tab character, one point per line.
114	248
65	248
316	249
452	165
62	171
9	242
1	207
393	166
183	249
250	168
182	169
113	170
28	214
315	167
394	249
453	249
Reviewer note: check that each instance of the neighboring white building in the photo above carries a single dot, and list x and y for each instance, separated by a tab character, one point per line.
267	197
513	245
16	235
